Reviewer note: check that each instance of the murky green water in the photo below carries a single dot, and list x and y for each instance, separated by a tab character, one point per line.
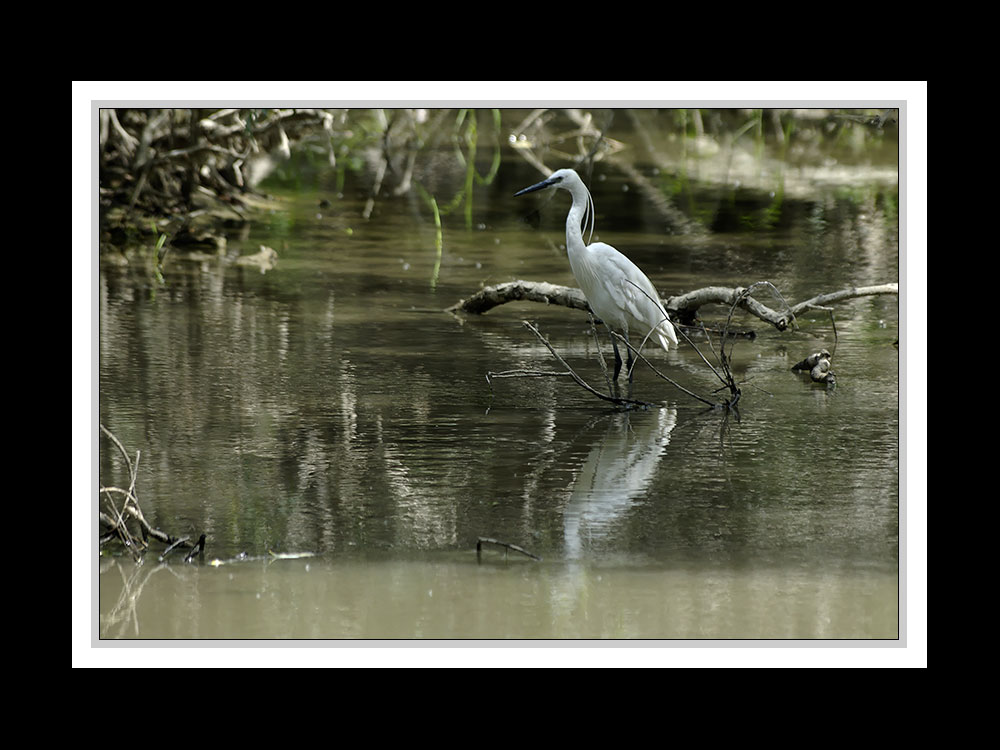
329	406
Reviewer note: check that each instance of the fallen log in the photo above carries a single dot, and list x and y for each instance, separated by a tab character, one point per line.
683	308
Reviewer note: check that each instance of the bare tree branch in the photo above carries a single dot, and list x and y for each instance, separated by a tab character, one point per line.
683	306
849	293
512	291
115	522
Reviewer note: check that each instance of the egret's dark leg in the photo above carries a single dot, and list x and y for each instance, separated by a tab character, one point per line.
618	357
630	359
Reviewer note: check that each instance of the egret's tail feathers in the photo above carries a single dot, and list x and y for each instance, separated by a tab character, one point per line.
667	331
665	335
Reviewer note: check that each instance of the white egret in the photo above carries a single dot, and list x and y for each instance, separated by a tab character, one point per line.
618	292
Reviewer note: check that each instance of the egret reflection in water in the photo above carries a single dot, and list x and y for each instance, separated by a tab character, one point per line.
614	476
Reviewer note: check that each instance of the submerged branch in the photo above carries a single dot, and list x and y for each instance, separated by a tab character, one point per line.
506	545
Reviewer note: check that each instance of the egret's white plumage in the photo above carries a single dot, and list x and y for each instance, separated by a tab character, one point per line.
619	293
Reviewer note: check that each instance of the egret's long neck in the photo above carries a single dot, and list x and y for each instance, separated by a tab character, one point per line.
576	216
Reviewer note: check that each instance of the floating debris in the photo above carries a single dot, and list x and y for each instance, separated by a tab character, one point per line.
265	259
818	365
289	555
271	556
812	360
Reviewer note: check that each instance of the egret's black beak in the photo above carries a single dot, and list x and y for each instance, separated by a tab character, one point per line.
538	186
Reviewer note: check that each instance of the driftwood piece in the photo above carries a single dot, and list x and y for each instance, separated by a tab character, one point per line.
683	307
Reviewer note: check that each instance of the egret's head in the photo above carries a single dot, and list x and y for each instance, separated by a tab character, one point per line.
561	178
583	204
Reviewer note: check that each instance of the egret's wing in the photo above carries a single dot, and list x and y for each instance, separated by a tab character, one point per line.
625	282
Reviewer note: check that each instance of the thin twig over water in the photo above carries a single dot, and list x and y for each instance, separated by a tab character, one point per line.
506	545
116	521
580	381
